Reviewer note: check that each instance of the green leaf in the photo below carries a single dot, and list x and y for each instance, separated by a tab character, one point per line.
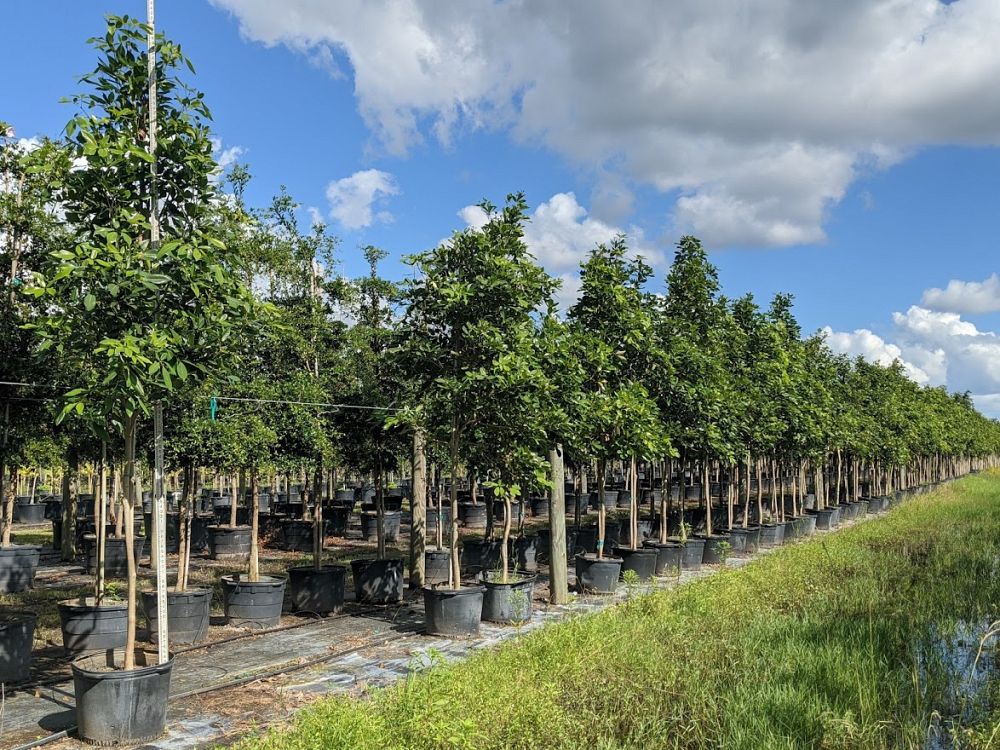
89	302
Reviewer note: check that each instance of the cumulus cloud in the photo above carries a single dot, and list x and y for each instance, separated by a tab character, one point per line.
988	404
864	343
353	199
935	348
968	297
561	232
753	118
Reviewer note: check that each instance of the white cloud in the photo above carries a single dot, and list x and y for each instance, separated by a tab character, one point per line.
754	117
969	297
352	198
935	348
560	233
863	342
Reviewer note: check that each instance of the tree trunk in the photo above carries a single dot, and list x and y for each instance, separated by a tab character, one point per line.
558	573
130	539
69	508
601	512
254	570
318	530
455	574
418	509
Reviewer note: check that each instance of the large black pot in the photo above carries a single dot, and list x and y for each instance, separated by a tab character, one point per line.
539	506
338	519
252	605
772	535
391	523
745	541
116	707
692	553
53	509
526	553
508	602
229	542
432	518
317	591
516	512
89	627
453	612
641	560
17	633
595	576
481	554
472	516
668	557
862	508
575	500
805	526
115	557
187	615
29	513
437	564
378	581
18	564
297	536
715	553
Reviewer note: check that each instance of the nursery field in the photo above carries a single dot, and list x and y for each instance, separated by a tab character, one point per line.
865	638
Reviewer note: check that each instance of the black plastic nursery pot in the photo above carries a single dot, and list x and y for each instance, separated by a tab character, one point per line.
542	555
668	557
835	518
17	633
296	535
745	541
472	516
692	553
597	576
117	707
432	519
229	542
115	557
338	520
772	535
862	508
53	509
877	504
391	524
481	554
516	512
437	564
378	581
791	529
539	506
187	615
805	526
509	602
714	553
526	553
317	591
453	612
252	604
574	501
641	560
29	513
18	564
87	626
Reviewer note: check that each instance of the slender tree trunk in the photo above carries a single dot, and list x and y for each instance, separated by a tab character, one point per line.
558	566
69	508
418	510
254	569
455	576
601	512
130	495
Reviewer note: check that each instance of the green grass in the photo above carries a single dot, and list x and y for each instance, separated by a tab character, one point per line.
827	644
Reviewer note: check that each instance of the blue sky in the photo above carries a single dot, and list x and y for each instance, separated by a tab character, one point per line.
847	155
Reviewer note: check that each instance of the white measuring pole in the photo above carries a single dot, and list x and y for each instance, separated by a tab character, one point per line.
159	530
159	499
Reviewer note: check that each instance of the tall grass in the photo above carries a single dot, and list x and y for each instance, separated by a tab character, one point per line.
827	644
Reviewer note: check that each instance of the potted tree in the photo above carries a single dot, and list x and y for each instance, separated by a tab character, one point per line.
468	327
612	330
133	314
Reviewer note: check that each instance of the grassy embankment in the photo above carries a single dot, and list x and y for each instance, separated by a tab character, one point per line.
832	643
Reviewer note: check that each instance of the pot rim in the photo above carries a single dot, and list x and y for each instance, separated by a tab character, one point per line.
233	579
121	674
462	591
193	591
522	581
312	569
591	557
228	528
16	616
18	549
90	603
